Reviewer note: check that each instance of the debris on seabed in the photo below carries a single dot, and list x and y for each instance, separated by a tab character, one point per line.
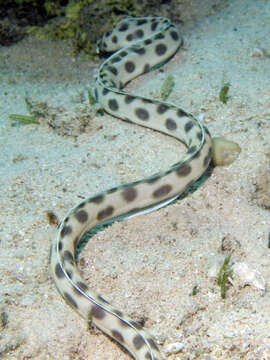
174	348
244	274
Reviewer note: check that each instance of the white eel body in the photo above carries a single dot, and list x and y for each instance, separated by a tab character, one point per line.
143	42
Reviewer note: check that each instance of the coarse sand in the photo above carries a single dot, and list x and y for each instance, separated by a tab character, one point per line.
160	268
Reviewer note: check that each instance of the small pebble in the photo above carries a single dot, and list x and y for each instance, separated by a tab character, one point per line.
260	52
244	274
174	348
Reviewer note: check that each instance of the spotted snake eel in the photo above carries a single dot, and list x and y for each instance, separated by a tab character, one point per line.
140	44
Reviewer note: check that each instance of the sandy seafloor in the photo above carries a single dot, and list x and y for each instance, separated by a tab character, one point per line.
147	265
